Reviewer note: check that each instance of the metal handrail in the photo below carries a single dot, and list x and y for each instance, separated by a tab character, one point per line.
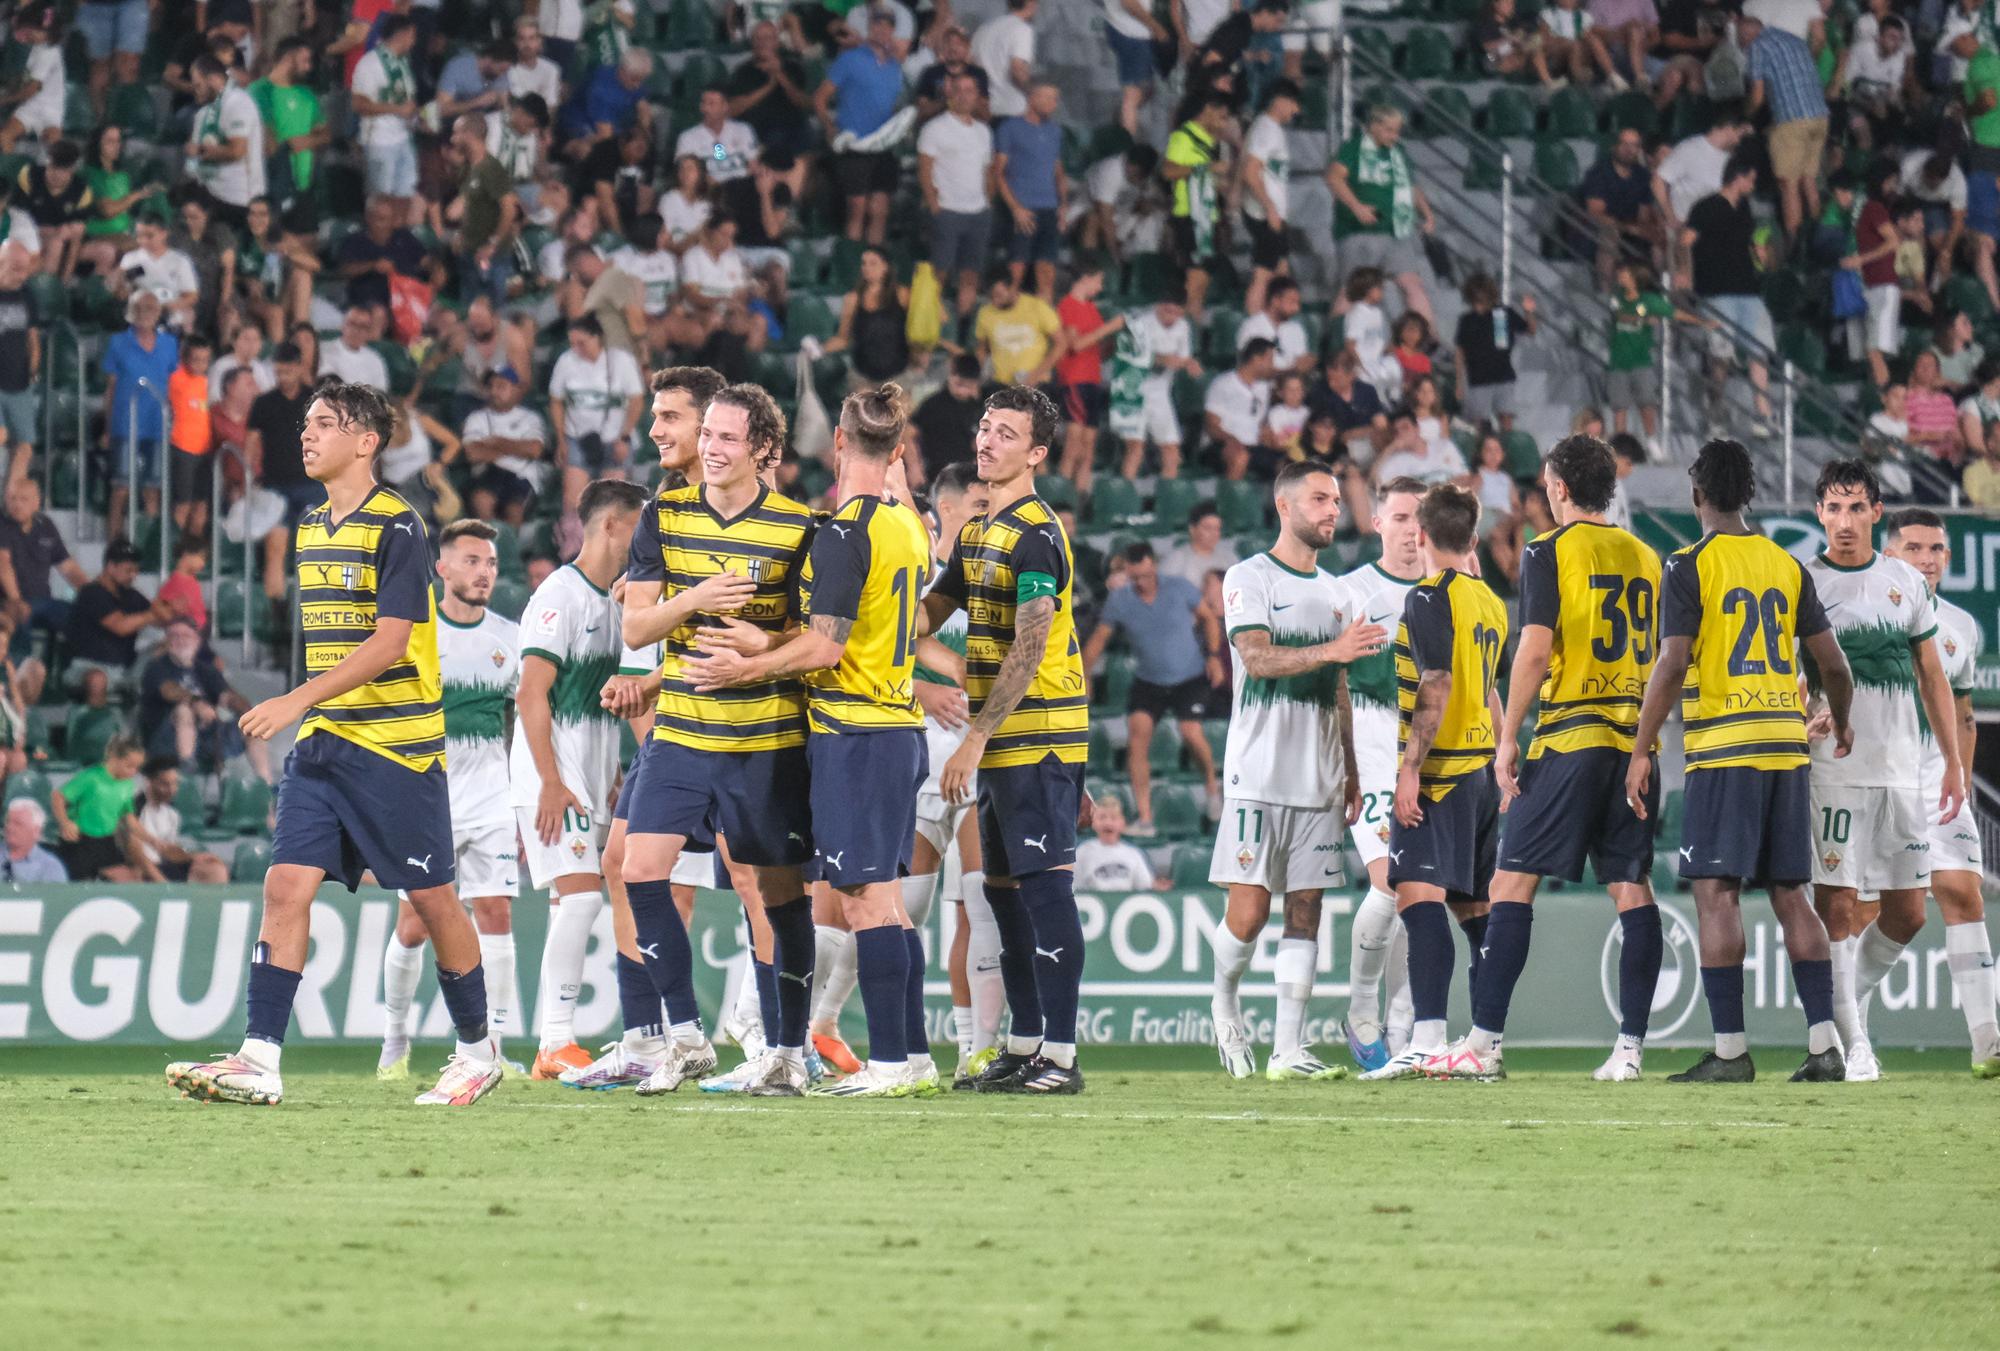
159	396
249	543
46	475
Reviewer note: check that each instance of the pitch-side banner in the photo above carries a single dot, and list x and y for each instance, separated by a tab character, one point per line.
166	965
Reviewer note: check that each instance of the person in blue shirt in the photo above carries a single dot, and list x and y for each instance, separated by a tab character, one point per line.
857	104
612	103
144	351
1027	157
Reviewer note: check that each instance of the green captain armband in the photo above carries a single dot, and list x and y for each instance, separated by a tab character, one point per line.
1033	585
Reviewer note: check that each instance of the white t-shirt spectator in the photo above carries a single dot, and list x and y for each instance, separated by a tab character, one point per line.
1368	329
1692	170
355	365
684	218
1568	24
162	822
1867	66
1956	24
1203	16
169	276
262	373
229	117
1121	20
1794	16
372	80
21	233
1286	422
1239	405
1159	340
656	268
520	156
560	19
1433	464
1114	868
960	152
717	278
1290	337
736	141
1266	145
1183	562
45	109
520	423
594	393
996	46
1950	193
544	78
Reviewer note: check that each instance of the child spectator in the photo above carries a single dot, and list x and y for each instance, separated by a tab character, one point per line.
1367	333
1106	863
1485	342
1155	343
1285	423
90	812
182	588
1569	43
193	438
1413	348
1632	374
1080	370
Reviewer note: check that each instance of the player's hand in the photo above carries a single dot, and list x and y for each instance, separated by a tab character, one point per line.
944	705
1358	641
1409	808
618	589
68	831
716	669
1352	813
271	717
1506	757
549	808
623	696
1843	741
733	635
1638	782
725	593
1820	725
1952	799
955	781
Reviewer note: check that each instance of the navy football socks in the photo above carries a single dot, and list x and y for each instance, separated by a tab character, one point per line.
638	1001
882	966
1017	961
1475	936
1638	968
1508	930
792	943
1814	982
1429	928
664	946
1050	899
1724	987
465	1000
916	1036
268	1000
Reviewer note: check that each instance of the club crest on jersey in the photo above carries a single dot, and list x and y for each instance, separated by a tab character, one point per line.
576	848
1831	858
350	576
499	659
1950	646
1383	833
1244	858
1895	595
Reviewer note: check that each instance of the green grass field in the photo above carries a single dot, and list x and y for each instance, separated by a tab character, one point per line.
1168	1207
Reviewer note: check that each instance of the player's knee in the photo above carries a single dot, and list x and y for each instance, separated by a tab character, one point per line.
289	887
493	915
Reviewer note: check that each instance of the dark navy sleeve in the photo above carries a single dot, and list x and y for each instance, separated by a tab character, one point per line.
1540	602
840	557
951	582
1427	614
1680	599
1038	549
1812	614
645	562
403	570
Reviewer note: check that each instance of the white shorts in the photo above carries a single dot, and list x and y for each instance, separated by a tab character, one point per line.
1282	849
1885	319
694	870
579	846
1871	839
1954	847
938	821
1370	834
1153	420
489	861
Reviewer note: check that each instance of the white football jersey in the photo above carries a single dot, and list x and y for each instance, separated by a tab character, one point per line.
1877	610
481	665
942	743
1284	731
1369	595
1958	643
575	626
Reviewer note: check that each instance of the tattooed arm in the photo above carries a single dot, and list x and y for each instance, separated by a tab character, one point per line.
1433	693
816	647
1261	657
1032	621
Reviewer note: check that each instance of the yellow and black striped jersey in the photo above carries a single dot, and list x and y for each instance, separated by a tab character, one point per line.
375	564
869	564
1002	560
681	542
1596	588
1746	604
1451	622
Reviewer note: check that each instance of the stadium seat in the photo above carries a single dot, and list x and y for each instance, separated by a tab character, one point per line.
1190	865
1056	490
1427	54
1164	751
1445	112
246	805
1569	115
1113	502
1804	348
1374	49
1315	108
1964	293
1177	813
250	862
37	739
1103	755
1217	732
30	783
51	297
190	803
1786	294
1632	111
132	109
1482	173
810	317
1242	505
1173	499
1114	684
1555	165
507	544
1509	113
1524	457
1218	345
510	597
88	731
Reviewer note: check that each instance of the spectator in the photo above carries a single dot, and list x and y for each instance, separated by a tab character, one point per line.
1266	188
1156	342
225	152
943	427
1933	416
616	176
1879	80
483	344
153	842
1489	481
486	212
1278	319
1004	46
181	588
31	547
1618	196
1958	352
383	248
1487	334
1434	421
726	148
91	810
1079	371
190	457
1378	207
35	104
1170	679
595	399
1977	411
718	293
517	138
211	248
1352	402
137	366
1571	43
1233	412
1134	33
1982	157
1203	551
1628	28
1626	455
647	260
293	123
857	101
114	33
1720	237
1285	420
1410	455
108	233
475	81
874	320
1106	863
1982	476
384	93
1877	241
1412	351
1933	178
20	365
187	711
611	103
532	72
1691	171
1505	45
1015	332
1027	167
769	93
276	419
954	58
109	614
1241	48
246	353
507	445
352	356
1189	164
1127	212
1782	74
1366	332
955	173
25	862
166	273
59	201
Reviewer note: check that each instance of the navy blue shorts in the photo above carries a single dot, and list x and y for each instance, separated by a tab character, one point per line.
757	799
1572	807
343	809
1753	825
1456	843
701	842
1134	57
1027	816
864	802
1041	244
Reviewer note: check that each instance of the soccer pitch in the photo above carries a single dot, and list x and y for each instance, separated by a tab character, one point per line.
1167	1207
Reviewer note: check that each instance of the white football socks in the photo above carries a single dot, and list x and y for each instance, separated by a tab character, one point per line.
1232	959
1732	1045
265	1055
961	1030
562	965
918	891
1297	958
982	963
503	989
1401	1009
1875	954
749	1004
401	969
1846	1011
834	968
1969	954
1372	937
1427	1036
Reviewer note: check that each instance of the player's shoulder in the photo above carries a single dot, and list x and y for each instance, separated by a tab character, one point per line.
856	509
1902	574
776	505
1031	511
678	495
389	506
1253	568
500	626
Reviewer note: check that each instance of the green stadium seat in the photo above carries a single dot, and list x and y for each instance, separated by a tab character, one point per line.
1056	490
1963	292
1555	165
250	862
1114	684
1190	865
1219	338
510	597
1691	115
507	544
1445	112
189	802
1509	113
1374	49
1164	752
1804	348
1570	115
1173	499
1427	54
1103	756
51	297
1398	96
1242	505
811	317
246	805
1177	811
1316	108
32	784
1217	732
1786	294
690	26
37	738
1632	111
1524	457
88	731
1482	173
1113	502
